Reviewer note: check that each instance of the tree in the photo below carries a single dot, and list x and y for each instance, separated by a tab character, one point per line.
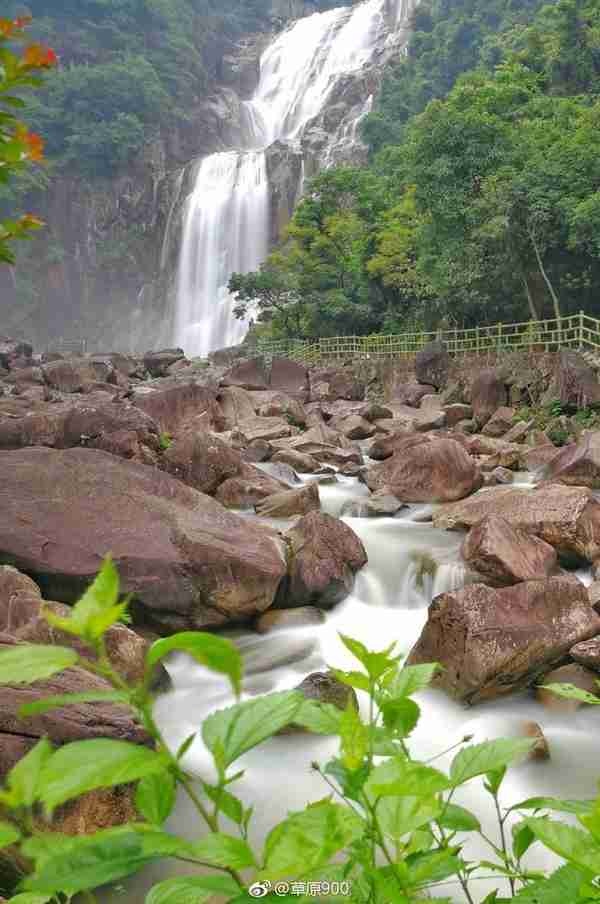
18	146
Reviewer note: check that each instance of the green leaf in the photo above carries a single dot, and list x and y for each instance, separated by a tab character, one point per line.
578	807
97	609
73	864
376	664
48	703
432	866
400	716
398	816
217	653
568	842
523	838
100	763
357	680
309	839
26	663
402	777
219	849
478	759
23	778
320	718
562	887
412	678
227	803
351	781
191	889
155	796
245	725
458	819
29	898
354	738
8	834
570	692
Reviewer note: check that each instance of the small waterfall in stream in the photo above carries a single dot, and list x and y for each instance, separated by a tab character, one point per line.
226	221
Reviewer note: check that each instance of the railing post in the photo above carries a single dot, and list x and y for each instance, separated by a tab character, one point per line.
581	327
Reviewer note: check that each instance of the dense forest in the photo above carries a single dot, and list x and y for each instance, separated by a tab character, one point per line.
482	198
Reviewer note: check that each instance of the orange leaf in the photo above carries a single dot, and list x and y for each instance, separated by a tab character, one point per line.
37	56
6	27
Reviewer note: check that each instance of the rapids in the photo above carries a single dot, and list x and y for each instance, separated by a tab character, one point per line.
410	562
226	216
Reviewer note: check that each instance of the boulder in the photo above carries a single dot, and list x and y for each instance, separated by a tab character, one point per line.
13	351
500	422
257	451
488	393
299	461
290	502
410	394
577	464
74	374
250	374
376	506
290	377
432	365
324	556
567	518
247	488
456	413
576	382
201	460
436	471
430	420
324	687
385	446
506	555
571	673
587	653
518	432
158	362
172	404
284	619
329	384
538	458
594	595
500	476
193	565
278	404
356	427
250	429
237	405
540	750
373	411
492	642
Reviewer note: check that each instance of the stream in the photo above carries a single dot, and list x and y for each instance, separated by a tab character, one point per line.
410	562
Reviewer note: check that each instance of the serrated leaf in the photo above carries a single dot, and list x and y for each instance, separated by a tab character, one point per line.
523	838
478	759
191	889
351	781
23	778
155	796
309	839
227	803
376	664
562	887
358	680
433	866
101	596
412	678
568	842
578	807
99	763
49	703
245	725
400	716
26	663
220	849
458	819
319	718
216	653
354	738
402	777
571	692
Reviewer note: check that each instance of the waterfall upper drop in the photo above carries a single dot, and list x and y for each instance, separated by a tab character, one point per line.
226	225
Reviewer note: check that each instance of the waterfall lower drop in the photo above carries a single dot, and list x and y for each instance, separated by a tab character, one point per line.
226	220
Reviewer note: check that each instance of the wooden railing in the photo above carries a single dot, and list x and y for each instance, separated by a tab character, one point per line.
575	331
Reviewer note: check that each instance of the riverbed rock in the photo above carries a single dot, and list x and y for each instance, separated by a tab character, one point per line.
281	405
377	505
500	422
432	365
329	384
506	555
12	351
456	413
577	464
158	362
374	411
488	393
538	458
299	461
250	429
587	653
540	750
284	619
492	642
355	427
290	502
577	383
571	673
399	442
518	432
250	374
193	565
324	556
172	404
567	518
290	377
410	394
75	374
436	471
326	688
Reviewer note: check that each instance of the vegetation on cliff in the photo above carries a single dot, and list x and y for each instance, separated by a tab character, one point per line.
480	204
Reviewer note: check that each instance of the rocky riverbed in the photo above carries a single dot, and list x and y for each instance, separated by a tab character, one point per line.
277	503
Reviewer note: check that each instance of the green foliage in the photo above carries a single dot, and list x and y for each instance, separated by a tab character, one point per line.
165	441
392	830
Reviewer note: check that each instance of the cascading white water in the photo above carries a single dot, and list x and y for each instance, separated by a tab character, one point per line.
226	221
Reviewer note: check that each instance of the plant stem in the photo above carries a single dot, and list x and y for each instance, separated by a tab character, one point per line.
501	821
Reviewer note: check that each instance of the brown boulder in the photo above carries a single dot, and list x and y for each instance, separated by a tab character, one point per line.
587	653
157	363
237	405
12	351
488	393
506	555
329	384
410	394
253	428
250	374
290	502
356	427
500	422
385	446
284	619
539	457
289	377
565	517
74	374
247	488
540	750
577	384
432	365
202	460
324	556
299	461
492	642
193	565
376	506
518	432
436	471
456	413
172	404
577	464
281	405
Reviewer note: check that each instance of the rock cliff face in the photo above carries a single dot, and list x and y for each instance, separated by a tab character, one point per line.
105	266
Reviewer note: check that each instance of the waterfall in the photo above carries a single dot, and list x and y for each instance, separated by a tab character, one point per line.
226	217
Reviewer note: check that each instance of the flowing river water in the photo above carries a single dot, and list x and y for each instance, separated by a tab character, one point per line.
410	562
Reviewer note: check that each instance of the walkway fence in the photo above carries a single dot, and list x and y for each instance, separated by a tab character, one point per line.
576	331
